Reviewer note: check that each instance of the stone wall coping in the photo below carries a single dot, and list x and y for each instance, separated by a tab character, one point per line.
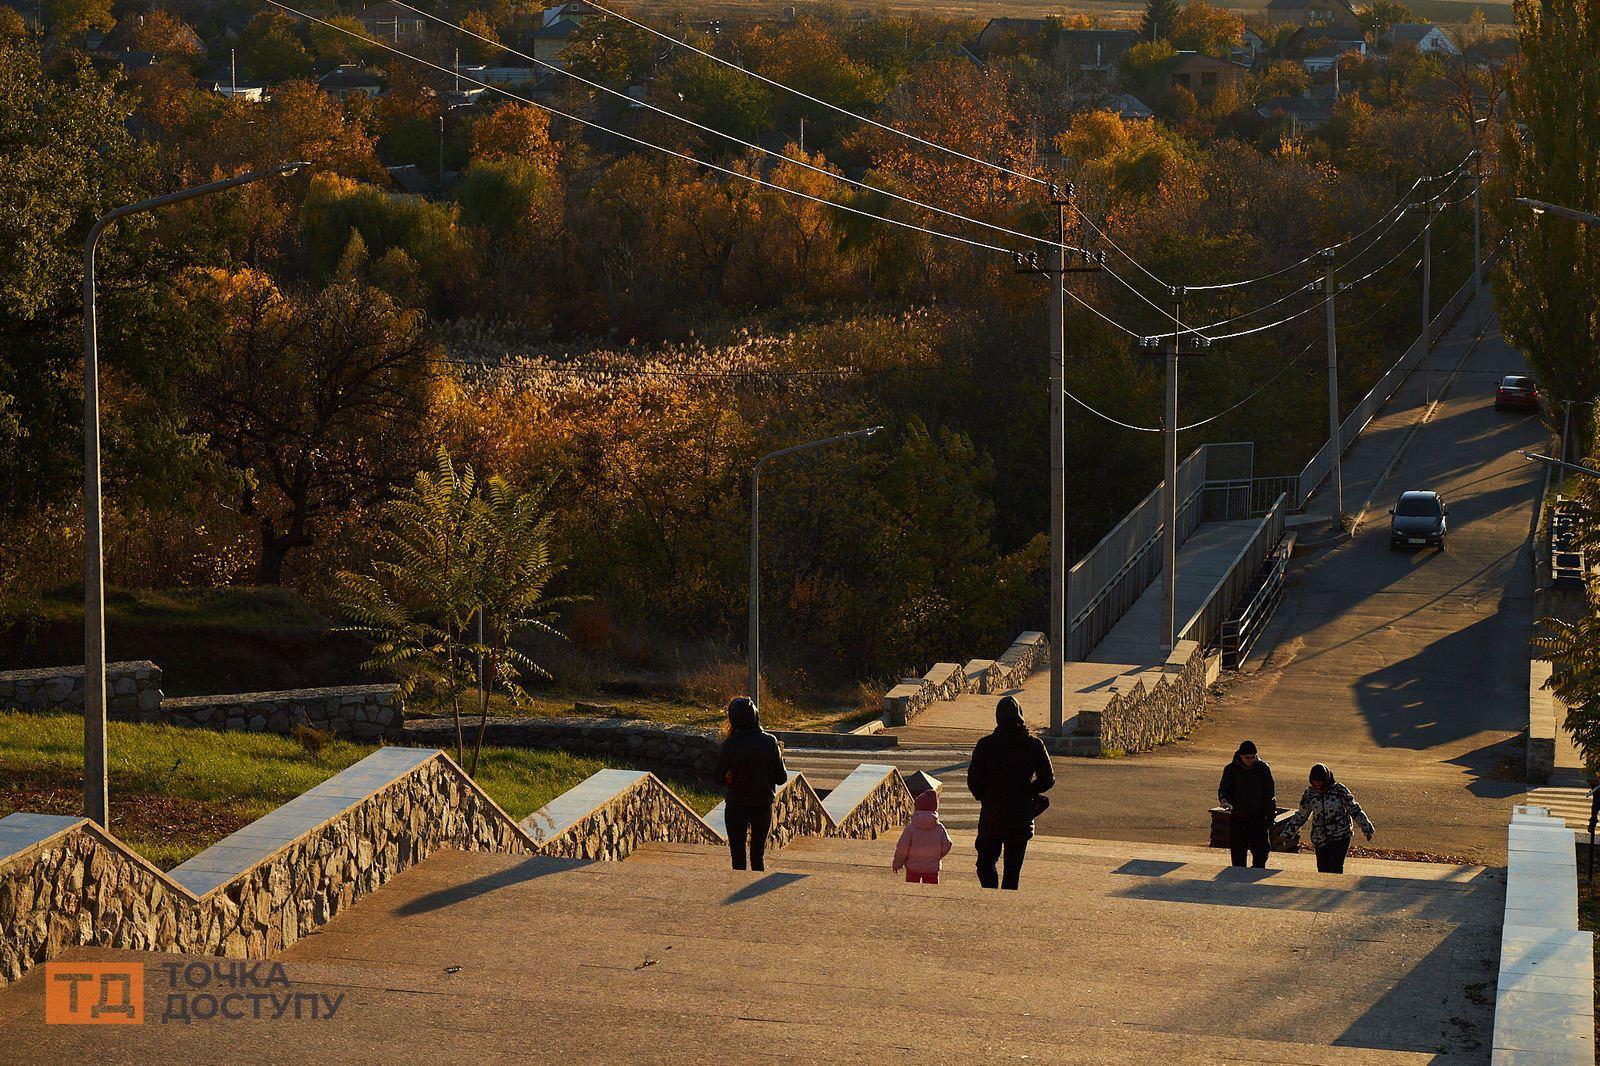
24	834
225	698
717	817
279	829
849	794
45	673
588	796
1544	998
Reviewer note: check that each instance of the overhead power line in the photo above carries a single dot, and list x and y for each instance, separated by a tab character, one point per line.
825	172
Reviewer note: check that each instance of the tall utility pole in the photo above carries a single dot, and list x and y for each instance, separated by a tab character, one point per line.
1175	349
1427	271
1169	480
96	793
1059	625
1330	289
1477	225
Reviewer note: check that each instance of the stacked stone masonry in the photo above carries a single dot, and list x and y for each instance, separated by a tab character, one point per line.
644	812
946	681
361	712
1162	706
70	884
133	693
133	689
889	805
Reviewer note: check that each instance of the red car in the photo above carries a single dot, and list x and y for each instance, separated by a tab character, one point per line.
1516	393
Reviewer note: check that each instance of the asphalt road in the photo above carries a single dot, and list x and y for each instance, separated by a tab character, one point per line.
1405	671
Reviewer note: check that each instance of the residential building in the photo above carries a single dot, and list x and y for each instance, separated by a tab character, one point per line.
389	21
1346	37
250	94
1204	75
1423	36
1093	51
1005	35
350	79
1302	113
1312	12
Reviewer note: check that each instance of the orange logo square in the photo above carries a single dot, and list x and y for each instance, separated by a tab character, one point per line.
93	993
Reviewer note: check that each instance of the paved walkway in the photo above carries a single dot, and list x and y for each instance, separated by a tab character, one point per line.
1406	671
1133	645
1106	955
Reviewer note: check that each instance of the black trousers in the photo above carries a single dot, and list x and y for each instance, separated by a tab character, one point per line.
1330	855
749	824
1252	835
989	849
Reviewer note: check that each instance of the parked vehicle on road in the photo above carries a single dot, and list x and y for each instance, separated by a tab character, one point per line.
1516	392
1418	519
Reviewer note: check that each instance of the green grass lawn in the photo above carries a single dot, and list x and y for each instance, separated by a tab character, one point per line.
176	791
231	606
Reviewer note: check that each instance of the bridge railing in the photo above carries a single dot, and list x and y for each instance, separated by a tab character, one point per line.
1205	625
1105	583
1322	463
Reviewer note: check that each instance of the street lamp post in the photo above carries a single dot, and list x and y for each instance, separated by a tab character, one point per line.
96	802
1577	468
754	650
1540	207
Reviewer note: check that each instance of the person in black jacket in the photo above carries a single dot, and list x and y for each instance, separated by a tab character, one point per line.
1009	774
750	766
1251	799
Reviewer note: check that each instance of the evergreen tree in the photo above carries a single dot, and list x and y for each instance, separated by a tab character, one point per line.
1159	16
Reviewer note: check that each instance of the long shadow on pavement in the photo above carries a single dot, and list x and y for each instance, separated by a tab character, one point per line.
528	870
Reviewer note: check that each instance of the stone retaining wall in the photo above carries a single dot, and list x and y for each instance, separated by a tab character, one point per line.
1162	706
946	681
361	712
611	814
874	799
689	749
797	811
133	693
133	689
64	882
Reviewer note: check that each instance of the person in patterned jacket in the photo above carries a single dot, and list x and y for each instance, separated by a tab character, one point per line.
1331	808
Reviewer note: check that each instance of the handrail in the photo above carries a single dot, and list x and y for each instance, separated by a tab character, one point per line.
1246	563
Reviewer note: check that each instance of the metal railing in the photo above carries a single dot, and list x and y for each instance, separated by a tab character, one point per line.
1205	626
1247	622
1321	464
1105	583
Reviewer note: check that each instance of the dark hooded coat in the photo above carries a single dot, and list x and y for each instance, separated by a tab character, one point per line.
1250	789
750	764
1009	769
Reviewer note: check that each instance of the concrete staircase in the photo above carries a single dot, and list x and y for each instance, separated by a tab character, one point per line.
1111	952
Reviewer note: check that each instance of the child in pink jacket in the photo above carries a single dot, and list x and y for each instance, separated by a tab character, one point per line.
923	842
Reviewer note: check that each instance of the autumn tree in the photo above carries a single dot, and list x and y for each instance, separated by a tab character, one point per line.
271	50
1376	18
72	19
343	41
12	25
1201	27
515	131
1550	271
164	34
1281	77
66	157
316	399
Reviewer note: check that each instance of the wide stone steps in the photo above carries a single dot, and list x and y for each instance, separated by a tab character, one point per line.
1110	953
1570	804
